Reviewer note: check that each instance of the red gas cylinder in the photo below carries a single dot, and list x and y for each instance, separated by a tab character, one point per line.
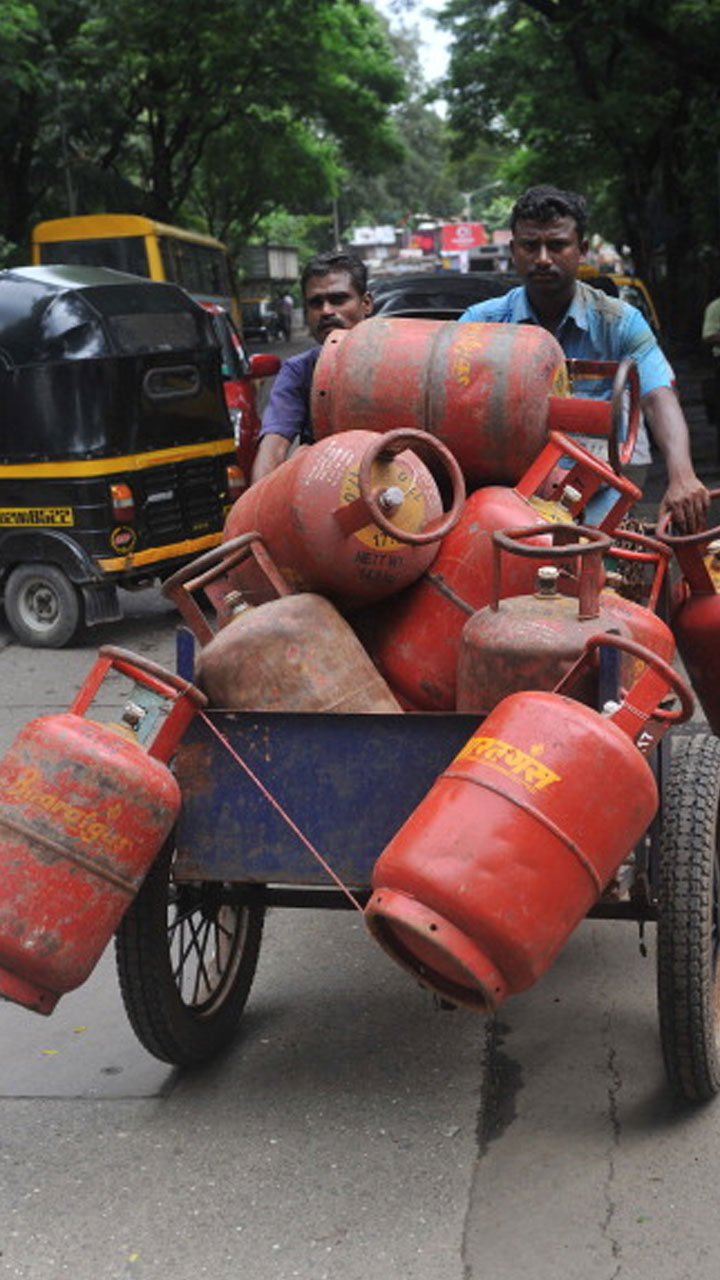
357	517
483	884
293	653
635	572
84	810
491	392
695	618
414	637
532	641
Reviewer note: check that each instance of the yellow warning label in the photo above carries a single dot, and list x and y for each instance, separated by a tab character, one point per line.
510	760
409	516
37	516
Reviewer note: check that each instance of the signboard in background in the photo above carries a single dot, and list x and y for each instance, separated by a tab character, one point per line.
373	235
457	236
424	240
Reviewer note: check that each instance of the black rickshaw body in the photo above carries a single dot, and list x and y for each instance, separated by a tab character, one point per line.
117	457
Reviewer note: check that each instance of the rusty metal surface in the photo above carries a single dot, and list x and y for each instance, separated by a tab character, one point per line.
84	814
483	389
292	654
295	507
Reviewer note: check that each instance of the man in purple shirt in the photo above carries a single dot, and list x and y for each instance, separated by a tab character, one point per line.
548	229
334	289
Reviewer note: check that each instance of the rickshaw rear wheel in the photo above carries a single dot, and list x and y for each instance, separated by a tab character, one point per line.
186	959
42	606
688	939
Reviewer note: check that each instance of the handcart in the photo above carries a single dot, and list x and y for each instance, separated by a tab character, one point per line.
268	796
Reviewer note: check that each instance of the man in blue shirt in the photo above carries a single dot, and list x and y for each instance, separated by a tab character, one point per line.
548	230
334	289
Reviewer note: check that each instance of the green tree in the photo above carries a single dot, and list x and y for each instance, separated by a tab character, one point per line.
620	100
213	113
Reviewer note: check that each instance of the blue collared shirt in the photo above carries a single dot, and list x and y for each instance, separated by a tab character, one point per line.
594	327
288	408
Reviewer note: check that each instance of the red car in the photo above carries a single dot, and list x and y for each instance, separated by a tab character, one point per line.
240	373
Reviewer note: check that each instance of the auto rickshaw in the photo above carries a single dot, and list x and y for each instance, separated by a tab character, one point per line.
117	457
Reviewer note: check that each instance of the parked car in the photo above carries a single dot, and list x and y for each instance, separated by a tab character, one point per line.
117	458
240	373
260	321
440	295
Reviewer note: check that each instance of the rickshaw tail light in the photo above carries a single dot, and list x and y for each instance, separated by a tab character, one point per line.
123	503
236	483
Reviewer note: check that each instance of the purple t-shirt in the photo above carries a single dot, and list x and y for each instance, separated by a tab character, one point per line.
288	408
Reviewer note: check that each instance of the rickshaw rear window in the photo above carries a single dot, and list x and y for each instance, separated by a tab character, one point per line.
126	253
170	331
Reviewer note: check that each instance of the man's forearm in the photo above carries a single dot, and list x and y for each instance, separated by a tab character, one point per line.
669	429
686	497
271	451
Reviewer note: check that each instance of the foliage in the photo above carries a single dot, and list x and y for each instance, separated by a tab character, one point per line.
213	114
620	100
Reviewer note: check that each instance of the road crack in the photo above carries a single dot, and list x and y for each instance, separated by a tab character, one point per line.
613	1112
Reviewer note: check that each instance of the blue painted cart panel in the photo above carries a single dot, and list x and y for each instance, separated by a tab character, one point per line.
347	781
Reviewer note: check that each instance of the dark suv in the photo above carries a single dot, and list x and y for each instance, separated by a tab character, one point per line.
438	295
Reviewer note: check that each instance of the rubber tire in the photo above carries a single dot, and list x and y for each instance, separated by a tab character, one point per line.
688	938
19	612
182	1032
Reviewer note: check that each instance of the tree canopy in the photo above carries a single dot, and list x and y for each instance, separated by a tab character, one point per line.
210	115
621	101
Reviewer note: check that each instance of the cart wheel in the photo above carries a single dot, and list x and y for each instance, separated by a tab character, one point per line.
42	606
688	939
186	960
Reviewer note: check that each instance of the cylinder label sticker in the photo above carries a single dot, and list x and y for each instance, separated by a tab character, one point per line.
511	761
409	516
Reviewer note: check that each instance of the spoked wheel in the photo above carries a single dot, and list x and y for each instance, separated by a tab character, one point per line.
186	959
689	921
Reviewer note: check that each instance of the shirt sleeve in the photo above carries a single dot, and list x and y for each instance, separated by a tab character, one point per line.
287	412
640	343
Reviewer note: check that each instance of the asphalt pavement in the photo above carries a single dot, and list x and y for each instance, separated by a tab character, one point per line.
355	1131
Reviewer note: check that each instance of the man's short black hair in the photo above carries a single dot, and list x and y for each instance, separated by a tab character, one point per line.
544	204
323	263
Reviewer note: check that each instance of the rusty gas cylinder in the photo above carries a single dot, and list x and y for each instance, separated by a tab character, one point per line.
480	888
490	392
84	810
633	598
531	641
414	637
695	616
292	653
356	517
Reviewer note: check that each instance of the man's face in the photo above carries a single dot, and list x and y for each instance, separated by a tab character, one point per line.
547	256
333	302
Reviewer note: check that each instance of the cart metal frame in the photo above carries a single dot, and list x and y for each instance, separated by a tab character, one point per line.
188	947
